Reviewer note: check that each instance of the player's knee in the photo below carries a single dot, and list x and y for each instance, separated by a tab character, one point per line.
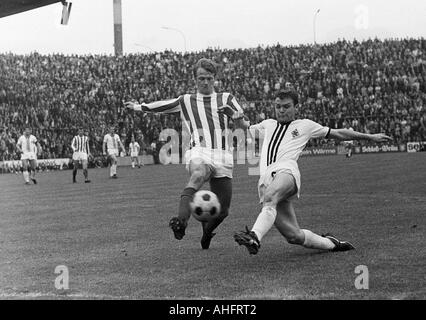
197	178
270	198
295	237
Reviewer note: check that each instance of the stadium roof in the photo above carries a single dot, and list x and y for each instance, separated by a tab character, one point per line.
9	7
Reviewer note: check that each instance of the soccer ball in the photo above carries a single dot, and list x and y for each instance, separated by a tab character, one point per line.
205	206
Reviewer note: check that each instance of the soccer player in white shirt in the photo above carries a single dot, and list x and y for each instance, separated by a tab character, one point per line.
134	149
110	148
279	183
29	147
209	158
80	147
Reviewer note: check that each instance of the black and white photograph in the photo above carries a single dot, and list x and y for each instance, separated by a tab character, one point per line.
213	155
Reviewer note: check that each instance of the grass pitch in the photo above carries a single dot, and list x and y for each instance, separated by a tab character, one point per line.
114	238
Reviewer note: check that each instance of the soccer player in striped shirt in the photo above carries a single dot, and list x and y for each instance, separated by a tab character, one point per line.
80	147
209	158
279	183
29	147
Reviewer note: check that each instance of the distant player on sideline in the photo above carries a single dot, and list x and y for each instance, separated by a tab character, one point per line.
110	148
348	143
134	149
29	147
80	147
279	182
209	158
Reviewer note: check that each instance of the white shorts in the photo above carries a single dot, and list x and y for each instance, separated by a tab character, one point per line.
134	154
28	156
113	152
265	180
221	162
79	156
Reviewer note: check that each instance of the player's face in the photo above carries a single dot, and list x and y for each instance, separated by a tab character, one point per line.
80	132
285	110
205	81
27	131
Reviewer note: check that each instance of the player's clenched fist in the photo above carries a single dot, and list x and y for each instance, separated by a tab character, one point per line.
131	104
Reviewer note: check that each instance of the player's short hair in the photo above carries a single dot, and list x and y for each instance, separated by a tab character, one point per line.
288	94
206	64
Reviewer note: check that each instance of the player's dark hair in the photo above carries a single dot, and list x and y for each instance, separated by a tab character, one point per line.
288	94
206	64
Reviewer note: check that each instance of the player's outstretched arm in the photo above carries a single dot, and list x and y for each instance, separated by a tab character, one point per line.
238	116
345	134
165	106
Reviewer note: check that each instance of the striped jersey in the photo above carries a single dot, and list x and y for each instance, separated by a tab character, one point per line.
286	141
200	117
27	144
80	144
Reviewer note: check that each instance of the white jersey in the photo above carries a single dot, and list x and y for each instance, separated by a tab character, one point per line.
112	142
134	147
28	145
285	142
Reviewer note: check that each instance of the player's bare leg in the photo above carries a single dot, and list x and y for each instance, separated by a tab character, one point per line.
25	173
200	173
222	187
85	172
283	186
33	167
287	225
74	171
113	167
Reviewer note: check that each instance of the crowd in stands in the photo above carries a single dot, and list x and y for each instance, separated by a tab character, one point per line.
375	85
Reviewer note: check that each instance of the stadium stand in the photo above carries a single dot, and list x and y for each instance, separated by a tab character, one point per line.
374	85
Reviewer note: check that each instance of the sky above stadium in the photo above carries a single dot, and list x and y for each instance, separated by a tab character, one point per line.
201	24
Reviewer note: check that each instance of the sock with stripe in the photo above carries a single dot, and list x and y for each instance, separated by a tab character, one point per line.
264	222
314	241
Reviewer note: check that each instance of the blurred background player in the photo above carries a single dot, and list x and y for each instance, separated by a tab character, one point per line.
279	183
110	149
134	149
209	158
29	147
80	147
349	143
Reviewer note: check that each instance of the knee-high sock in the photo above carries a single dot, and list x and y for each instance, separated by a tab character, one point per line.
114	168
264	222
85	173
26	176
314	241
133	163
184	203
74	173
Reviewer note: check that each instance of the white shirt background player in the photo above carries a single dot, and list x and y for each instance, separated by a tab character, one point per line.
112	143
29	147
110	147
